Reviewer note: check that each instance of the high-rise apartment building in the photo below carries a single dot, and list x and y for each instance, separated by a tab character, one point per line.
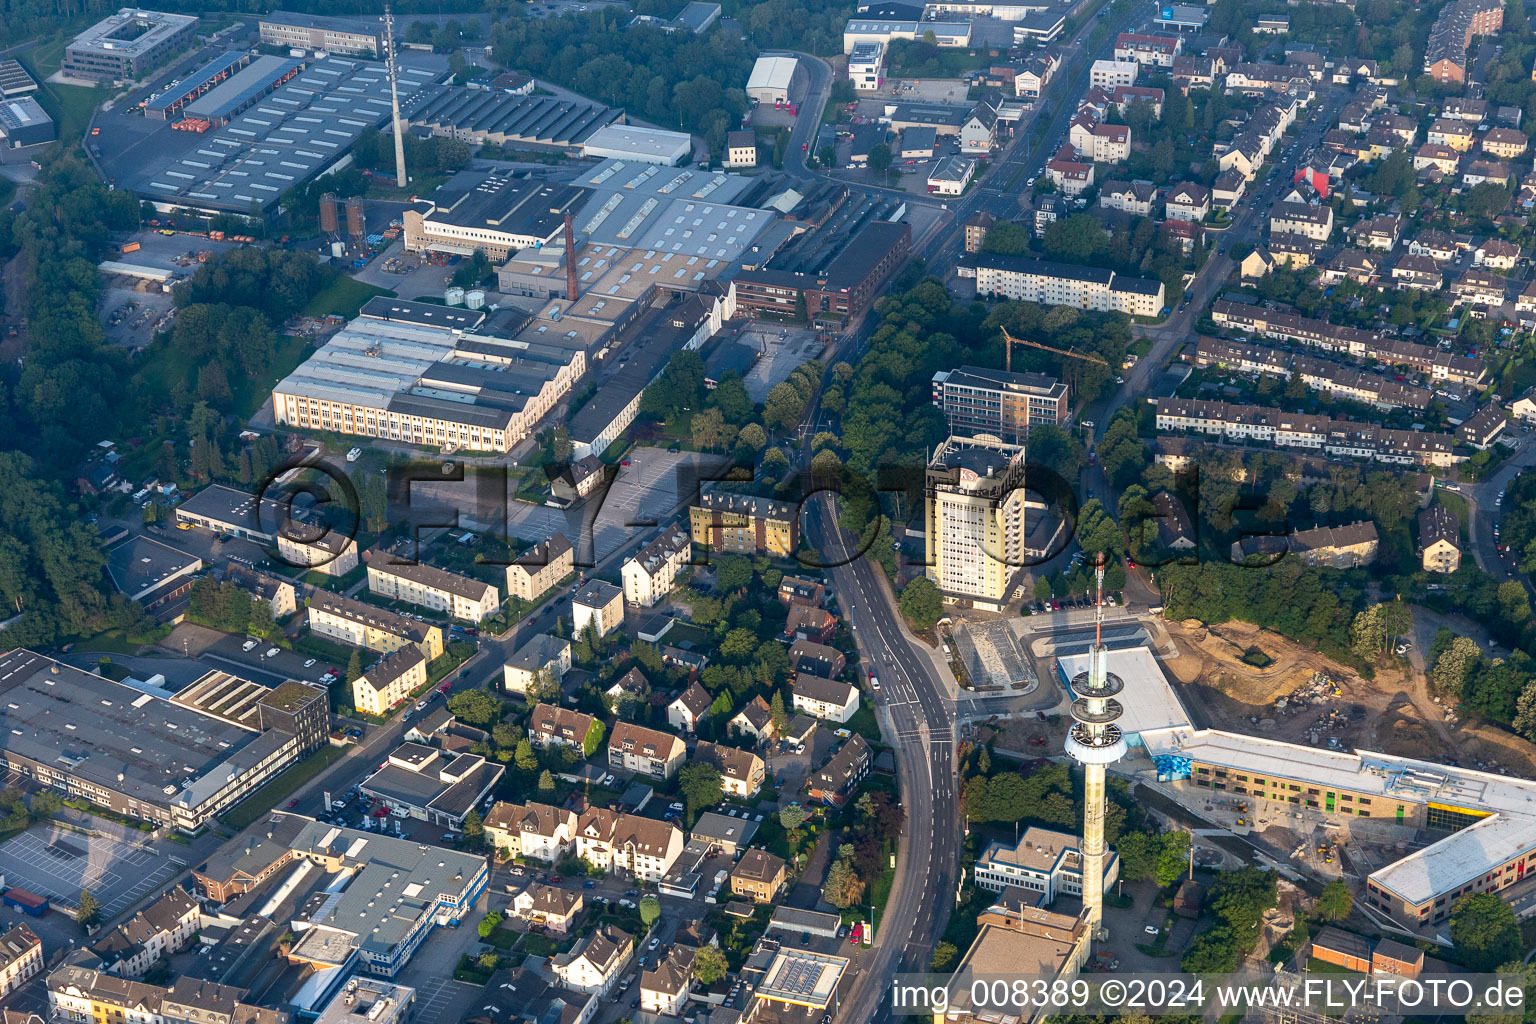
975	526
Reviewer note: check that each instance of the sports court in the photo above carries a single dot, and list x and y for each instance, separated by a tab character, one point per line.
59	863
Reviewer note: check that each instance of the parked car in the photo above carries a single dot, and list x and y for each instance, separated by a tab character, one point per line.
272	652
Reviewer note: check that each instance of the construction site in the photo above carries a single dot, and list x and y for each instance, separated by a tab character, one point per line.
1318	772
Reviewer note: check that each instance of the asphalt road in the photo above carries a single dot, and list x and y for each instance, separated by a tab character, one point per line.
914	701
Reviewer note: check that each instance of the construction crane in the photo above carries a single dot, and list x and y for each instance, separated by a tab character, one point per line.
1010	341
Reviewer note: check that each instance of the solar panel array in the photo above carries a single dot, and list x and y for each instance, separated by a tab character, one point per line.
285	139
14	78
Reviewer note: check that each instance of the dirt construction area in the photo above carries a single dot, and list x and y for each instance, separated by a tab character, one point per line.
1291	693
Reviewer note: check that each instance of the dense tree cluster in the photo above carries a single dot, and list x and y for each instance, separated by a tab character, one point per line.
672	79
1238	899
1312	605
229	608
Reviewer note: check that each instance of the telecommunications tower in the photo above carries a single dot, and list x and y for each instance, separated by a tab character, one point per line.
1095	742
394	96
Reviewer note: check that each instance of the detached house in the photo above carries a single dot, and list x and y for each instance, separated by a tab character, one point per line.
1439	540
689	709
742	772
549	906
644	847
645	751
1497	254
664	989
755	720
1132	197
555	726
1457	135
1188	202
531	830
759	875
825	698
594	965
1314	222
836	781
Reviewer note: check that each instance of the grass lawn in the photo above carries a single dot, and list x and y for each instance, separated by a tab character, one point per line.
253	807
323	649
110	642
343	298
863	720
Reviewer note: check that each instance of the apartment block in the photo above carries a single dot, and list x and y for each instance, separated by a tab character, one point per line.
975	520
1028	279
540	567
374	629
634	748
1004	404
745	524
430	587
649	575
391	680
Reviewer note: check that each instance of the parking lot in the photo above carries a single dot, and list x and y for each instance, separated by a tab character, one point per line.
131	316
59	863
641	497
784	349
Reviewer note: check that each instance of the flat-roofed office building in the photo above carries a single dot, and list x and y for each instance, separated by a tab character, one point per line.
126	44
176	763
310	32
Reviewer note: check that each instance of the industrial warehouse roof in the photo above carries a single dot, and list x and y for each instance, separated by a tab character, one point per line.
505	203
240	88
125	740
772	73
20	112
390	884
668	210
283	140
399	364
636	141
14	78
195	80
547	120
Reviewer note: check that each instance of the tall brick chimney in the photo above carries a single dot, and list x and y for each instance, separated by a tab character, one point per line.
570	260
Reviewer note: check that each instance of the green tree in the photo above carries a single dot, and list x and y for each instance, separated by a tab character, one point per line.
921	603
880	157
709	965
546	783
1484	931
474	828
475	707
1172	857
701	787
594	738
792	816
843	888
650	910
88	912
354	666
943	958
1007	238
777	711
1335	900
525	759
489	923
